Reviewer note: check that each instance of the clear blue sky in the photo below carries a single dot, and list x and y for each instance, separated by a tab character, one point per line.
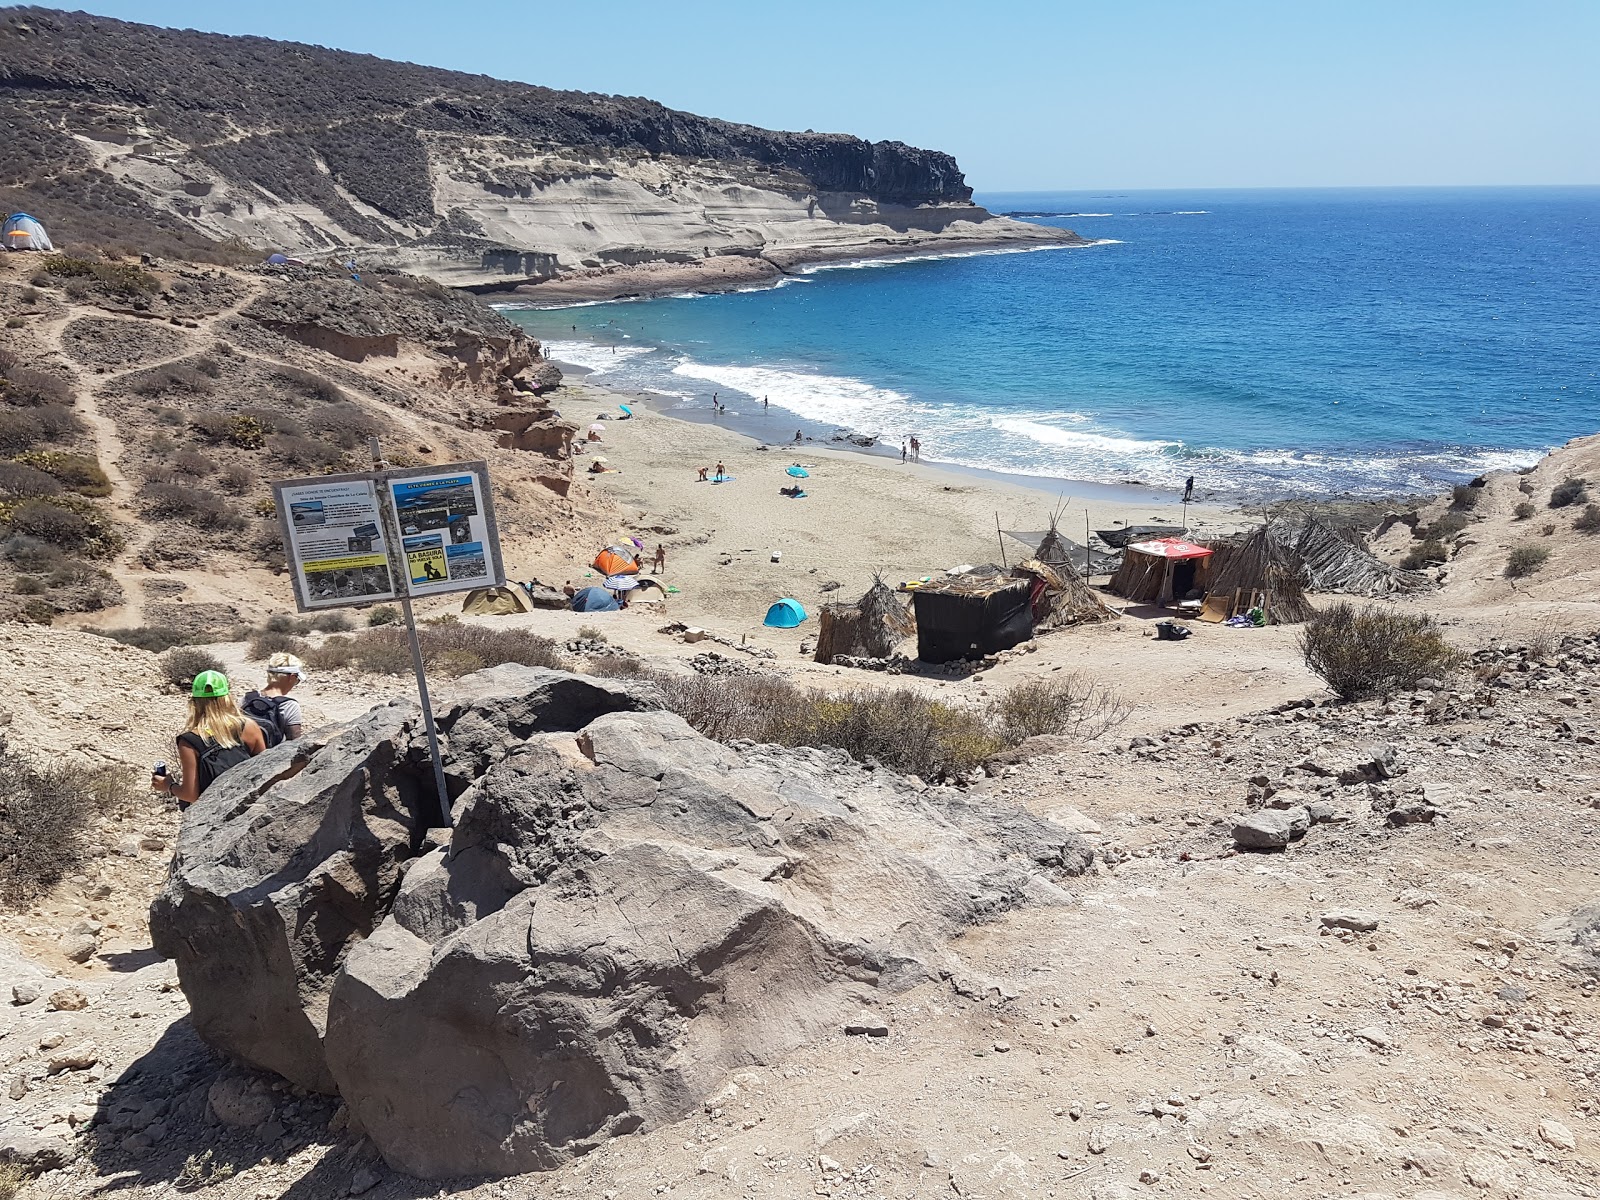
1040	95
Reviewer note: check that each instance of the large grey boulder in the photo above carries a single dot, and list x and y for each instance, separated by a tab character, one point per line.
625	911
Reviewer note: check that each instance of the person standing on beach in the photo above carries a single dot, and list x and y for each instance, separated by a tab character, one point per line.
764	403
659	563
1188	489
916	450
902	450
796	437
722	471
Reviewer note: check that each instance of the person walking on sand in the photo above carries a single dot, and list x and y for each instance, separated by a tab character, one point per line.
659	563
215	738
902	450
1188	489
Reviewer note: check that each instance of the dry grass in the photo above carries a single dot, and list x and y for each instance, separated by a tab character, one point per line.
450	648
46	810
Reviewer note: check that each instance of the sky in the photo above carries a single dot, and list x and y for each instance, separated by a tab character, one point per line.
1035	95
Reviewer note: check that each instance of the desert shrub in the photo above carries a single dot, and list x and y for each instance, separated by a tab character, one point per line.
1569	492
176	377
15	322
182	663
1525	560
332	622
29	295
202	509
154	638
22	481
447	648
30	554
1361	652
346	425
313	387
618	666
1465	497
19	431
193	463
81	473
235	429
284	623
1542	646
1441	528
46	811
236	480
303	452
33	389
1524	511
1426	555
901	729
1071	704
384	614
591	633
170	416
111	277
1588	521
49	522
269	642
28	585
208	366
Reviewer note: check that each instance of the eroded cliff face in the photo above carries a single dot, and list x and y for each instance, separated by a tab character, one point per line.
145	134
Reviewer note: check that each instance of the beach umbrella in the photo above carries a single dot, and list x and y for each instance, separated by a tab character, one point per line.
622	583
798	472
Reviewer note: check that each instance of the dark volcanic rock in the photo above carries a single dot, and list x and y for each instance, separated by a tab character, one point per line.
624	912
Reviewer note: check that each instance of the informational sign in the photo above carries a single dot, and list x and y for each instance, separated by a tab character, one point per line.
333	536
363	538
446	523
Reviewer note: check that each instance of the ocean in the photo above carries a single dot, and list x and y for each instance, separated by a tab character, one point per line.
1311	342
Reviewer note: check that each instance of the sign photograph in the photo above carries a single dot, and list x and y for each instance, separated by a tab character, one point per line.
333	537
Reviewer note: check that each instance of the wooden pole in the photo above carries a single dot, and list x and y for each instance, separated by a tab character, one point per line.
1086	535
1001	538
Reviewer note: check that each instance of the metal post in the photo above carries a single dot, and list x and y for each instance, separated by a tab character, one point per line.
401	578
1000	537
1087	564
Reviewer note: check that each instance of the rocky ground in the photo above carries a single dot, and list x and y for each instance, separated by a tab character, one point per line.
1401	1002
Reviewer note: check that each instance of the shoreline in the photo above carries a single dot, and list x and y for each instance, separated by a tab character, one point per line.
757	272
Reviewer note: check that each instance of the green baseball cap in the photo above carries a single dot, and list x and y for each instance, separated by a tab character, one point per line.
208	684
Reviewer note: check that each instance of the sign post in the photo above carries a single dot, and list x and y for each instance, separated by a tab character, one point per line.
357	539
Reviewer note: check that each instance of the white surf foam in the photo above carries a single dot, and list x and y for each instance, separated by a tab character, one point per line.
595	356
865	264
827	399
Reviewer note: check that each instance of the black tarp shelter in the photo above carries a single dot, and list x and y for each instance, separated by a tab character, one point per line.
964	617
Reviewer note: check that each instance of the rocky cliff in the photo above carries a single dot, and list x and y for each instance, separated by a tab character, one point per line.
135	134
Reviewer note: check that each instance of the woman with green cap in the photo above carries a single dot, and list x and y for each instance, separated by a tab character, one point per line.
218	736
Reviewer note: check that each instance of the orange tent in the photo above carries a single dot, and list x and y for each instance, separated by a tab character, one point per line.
614	561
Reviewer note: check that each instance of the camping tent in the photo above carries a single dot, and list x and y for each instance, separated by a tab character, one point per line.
785	614
22	232
593	599
869	628
967	617
1155	572
616	560
496	601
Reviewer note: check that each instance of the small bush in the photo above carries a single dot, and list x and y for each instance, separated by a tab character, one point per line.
202	509
236	480
591	633
182	663
34	389
384	614
1569	492
449	649
29	295
264	645
283	623
29	585
80	473
1426	555
112	277
303	452
15	322
1073	705
1588	520
19	431
195	464
1365	652
46	810
332	622
24	482
1525	560
1444	527
154	638
1524	511
51	523
1465	497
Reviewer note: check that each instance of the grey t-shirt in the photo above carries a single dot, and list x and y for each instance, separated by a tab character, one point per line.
288	714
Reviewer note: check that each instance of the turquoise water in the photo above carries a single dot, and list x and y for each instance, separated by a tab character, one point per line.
1338	341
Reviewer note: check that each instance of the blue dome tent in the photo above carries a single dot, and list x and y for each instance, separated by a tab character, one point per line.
594	599
785	614
22	232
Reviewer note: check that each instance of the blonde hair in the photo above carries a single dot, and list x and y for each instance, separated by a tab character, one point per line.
284	663
217	718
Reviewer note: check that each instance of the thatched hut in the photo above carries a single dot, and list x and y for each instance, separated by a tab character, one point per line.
1257	568
1335	563
1157	571
1059	596
869	628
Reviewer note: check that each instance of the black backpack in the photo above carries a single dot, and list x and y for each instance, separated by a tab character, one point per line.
213	758
263	710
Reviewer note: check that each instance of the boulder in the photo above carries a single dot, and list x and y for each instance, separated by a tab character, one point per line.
1270	828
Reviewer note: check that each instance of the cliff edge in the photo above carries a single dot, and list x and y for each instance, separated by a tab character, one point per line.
169	139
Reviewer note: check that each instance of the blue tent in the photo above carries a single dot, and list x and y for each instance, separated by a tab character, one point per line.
593	599
22	232
277	260
785	614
